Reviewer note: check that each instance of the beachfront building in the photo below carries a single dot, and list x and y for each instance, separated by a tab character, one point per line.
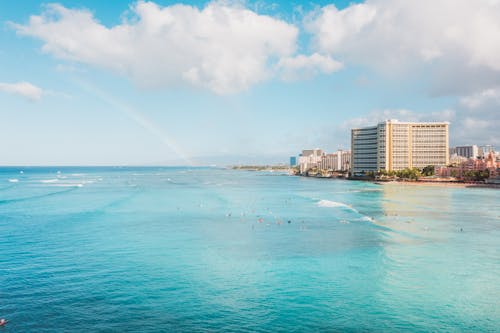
317	159
328	162
338	161
471	151
364	149
310	158
393	145
456	160
344	160
486	149
489	163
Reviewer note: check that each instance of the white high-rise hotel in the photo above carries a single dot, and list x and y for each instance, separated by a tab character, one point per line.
394	145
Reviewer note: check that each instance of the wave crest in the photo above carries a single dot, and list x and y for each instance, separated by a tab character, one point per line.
335	204
48	181
330	204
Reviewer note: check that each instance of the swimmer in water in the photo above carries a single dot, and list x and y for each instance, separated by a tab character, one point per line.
3	322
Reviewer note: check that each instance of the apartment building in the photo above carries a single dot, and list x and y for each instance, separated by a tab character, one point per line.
338	161
394	145
471	151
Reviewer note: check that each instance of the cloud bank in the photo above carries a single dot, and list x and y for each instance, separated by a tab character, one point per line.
24	89
226	47
455	42
301	66
223	47
454	45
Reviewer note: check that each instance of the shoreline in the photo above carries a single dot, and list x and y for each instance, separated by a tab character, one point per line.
419	182
445	184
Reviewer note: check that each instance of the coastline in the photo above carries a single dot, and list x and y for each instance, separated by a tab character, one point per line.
445	184
420	182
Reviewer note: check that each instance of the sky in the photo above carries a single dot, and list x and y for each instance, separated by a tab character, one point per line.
226	82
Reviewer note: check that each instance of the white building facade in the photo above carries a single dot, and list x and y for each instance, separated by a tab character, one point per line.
338	161
310	158
394	145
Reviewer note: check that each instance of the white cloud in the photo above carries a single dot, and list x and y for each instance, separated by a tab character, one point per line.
480	117
223	47
24	89
301	66
458	39
481	98
333	27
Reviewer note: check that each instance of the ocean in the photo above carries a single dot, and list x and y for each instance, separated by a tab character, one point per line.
162	249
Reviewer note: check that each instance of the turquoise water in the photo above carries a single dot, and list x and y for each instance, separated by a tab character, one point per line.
179	249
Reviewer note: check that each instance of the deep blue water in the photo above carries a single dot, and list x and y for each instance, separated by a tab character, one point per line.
180	249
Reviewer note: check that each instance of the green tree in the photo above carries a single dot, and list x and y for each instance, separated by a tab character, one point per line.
476	175
413	173
428	170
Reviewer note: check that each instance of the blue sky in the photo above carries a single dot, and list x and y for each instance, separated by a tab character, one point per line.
198	82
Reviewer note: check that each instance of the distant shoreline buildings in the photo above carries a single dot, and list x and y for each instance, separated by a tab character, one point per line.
471	151
392	146
317	159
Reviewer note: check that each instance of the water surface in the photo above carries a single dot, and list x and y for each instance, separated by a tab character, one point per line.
202	249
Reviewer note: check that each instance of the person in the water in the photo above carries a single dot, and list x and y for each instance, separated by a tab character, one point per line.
3	322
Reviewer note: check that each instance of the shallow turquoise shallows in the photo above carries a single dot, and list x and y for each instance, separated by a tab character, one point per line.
205	249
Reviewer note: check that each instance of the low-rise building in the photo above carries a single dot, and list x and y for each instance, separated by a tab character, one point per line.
488	163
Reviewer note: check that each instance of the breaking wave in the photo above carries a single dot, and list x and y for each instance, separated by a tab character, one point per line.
335	204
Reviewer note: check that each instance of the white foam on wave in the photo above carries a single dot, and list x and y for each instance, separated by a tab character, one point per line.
48	181
13	180
68	185
335	204
367	218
